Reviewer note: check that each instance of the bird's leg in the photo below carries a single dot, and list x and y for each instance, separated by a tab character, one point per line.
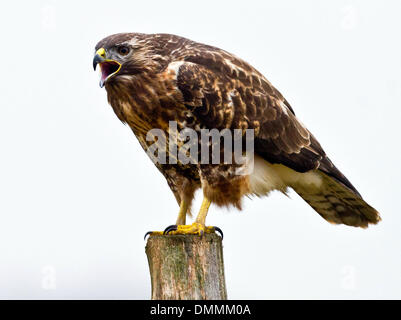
198	227
204	209
182	214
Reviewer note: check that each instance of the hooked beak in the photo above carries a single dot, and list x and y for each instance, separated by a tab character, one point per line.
96	60
108	67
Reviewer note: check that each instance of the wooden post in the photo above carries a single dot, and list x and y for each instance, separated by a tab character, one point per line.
186	267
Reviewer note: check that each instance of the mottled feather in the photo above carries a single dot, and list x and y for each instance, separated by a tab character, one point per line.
201	86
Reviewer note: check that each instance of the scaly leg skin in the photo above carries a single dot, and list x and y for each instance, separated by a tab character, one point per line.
198	227
182	214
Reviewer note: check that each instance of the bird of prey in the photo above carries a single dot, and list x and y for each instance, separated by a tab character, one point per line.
153	79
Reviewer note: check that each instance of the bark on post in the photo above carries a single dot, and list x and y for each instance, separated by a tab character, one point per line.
184	267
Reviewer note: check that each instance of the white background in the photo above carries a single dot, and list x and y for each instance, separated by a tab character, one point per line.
77	193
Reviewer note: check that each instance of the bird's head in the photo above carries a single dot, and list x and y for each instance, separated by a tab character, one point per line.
125	55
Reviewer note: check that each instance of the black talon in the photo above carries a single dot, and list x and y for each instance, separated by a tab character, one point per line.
146	234
219	231
173	227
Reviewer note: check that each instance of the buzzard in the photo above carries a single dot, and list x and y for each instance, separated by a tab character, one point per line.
153	79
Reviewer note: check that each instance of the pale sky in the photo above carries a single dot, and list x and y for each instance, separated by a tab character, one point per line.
78	193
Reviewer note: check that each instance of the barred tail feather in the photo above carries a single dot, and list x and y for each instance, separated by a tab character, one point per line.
337	203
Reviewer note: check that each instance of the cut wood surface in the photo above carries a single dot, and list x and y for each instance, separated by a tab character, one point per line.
186	267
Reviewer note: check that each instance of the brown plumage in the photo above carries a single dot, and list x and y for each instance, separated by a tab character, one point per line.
169	78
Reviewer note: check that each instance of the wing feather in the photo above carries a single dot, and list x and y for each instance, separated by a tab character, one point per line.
214	84
217	82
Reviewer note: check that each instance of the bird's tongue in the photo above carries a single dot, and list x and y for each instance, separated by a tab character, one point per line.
107	68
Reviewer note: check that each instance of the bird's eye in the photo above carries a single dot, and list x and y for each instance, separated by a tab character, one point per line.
123	50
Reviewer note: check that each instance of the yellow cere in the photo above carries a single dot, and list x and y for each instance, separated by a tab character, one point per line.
101	52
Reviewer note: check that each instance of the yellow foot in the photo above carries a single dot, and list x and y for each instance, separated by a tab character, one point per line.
195	228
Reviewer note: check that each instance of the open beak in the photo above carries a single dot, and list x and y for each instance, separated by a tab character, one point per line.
108	67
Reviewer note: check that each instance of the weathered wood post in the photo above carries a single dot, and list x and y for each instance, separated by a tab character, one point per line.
186	267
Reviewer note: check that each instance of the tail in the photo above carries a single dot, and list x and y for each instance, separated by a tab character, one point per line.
337	203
